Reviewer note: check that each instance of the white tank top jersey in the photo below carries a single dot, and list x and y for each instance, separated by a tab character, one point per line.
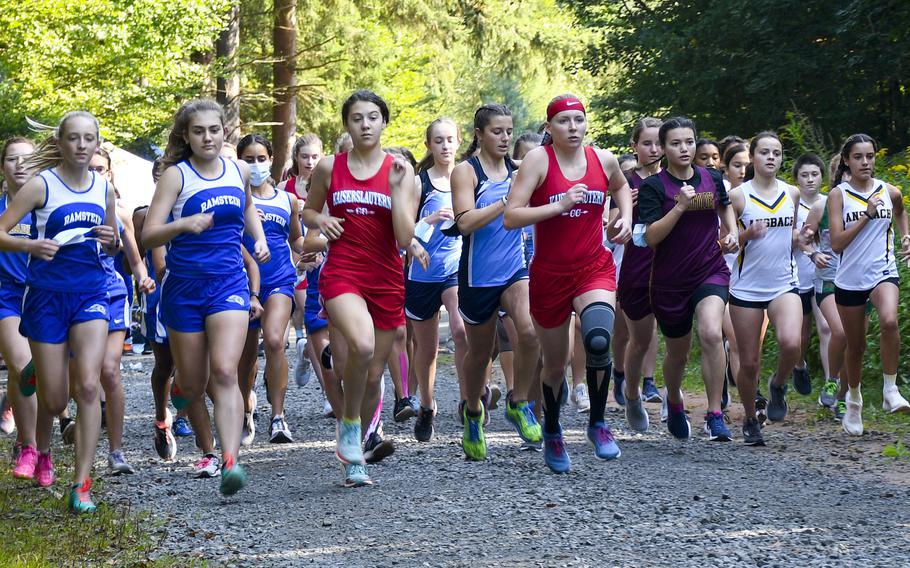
764	268
805	268
869	258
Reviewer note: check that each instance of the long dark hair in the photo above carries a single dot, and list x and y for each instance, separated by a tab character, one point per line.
849	143
674	123
251	139
753	144
482	117
368	96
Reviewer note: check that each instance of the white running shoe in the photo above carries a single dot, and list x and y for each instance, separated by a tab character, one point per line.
303	369
249	429
7	422
280	433
208	466
892	401
853	419
580	398
327	409
664	411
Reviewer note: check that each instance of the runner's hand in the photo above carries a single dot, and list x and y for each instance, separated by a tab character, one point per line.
261	251
573	197
441	214
874	204
45	249
104	235
622	231
197	223
685	196
331	227
821	260
147	285
255	308
418	253
756	230
730	243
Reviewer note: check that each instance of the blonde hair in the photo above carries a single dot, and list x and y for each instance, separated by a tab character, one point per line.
178	149
305	140
47	154
428	160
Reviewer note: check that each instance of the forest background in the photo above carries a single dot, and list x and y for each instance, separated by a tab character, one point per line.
816	71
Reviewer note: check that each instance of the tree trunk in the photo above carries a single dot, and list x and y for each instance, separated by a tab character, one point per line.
284	111
227	90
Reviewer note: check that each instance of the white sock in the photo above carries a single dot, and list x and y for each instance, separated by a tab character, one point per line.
855	394
890	381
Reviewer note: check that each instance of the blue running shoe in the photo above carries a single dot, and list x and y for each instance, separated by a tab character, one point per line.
603	441
649	392
182	428
715	427
677	421
355	475
347	445
618	394
555	454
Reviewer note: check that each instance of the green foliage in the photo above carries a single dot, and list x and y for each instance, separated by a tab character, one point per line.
896	451
739	67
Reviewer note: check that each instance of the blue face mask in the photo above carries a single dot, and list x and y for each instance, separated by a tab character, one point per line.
259	173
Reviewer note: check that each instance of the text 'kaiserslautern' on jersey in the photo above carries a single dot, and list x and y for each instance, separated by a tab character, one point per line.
275	214
203	255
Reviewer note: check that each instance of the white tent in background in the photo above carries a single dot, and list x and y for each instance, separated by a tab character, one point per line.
132	177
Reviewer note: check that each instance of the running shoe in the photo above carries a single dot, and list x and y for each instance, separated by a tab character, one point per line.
828	395
677	421
761	408
44	470
303	369
459	412
521	416
208	466
377	448
27	380
233	477
355	475
892	401
347	441
495	394
182	428
80	500
7	422
777	407
580	398
636	416
725	397
649	392
279	433
26	463
118	464
415	404
327	411
249	429
473	441
716	428
177	399
254	401
618	395
423	426
853	418
403	411
554	453
840	409
531	447
604	443
802	382
68	430
664	411
752	435
165	443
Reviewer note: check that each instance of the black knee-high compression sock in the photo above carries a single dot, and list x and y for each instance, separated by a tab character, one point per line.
598	389
551	405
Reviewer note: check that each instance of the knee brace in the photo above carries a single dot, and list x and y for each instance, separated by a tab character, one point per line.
596	331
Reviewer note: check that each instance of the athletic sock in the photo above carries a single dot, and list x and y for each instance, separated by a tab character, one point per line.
856	394
890	381
598	392
298	333
551	403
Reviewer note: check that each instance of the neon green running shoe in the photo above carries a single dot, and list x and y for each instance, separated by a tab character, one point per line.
80	499
233	476
521	416
473	441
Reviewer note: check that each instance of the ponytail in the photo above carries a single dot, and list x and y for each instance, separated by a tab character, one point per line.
47	154
428	161
471	149
849	143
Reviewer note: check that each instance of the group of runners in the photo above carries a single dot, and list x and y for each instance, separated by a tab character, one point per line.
363	248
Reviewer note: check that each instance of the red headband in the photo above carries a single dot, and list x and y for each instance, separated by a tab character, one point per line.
557	107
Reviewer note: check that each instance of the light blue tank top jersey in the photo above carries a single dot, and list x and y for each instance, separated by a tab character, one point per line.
14	265
491	255
115	283
444	251
276	223
215	251
66	216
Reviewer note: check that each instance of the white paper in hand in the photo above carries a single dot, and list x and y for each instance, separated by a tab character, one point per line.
73	236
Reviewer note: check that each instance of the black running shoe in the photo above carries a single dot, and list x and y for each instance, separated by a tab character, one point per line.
752	435
802	382
376	448
777	408
423	426
761	408
403	410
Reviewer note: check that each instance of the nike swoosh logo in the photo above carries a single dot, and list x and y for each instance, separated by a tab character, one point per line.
571	104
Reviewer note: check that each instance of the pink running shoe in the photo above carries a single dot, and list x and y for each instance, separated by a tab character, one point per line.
26	463
44	472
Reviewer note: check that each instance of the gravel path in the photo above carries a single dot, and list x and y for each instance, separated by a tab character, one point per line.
812	497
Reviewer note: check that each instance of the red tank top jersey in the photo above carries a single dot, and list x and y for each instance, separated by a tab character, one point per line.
291	187
367	250
572	239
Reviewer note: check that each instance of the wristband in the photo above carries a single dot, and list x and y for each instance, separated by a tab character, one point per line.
505	200
255	295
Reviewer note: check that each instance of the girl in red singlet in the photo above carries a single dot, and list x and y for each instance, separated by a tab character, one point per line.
370	215
562	189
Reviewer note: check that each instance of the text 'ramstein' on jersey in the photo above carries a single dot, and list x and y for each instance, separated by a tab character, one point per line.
220	200
81	217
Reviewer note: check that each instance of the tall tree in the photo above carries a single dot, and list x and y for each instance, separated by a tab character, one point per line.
284	91
228	80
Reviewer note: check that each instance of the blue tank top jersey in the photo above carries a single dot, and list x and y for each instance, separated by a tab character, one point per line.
312	281
491	255
67	216
276	223
116	285
444	251
215	251
14	265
